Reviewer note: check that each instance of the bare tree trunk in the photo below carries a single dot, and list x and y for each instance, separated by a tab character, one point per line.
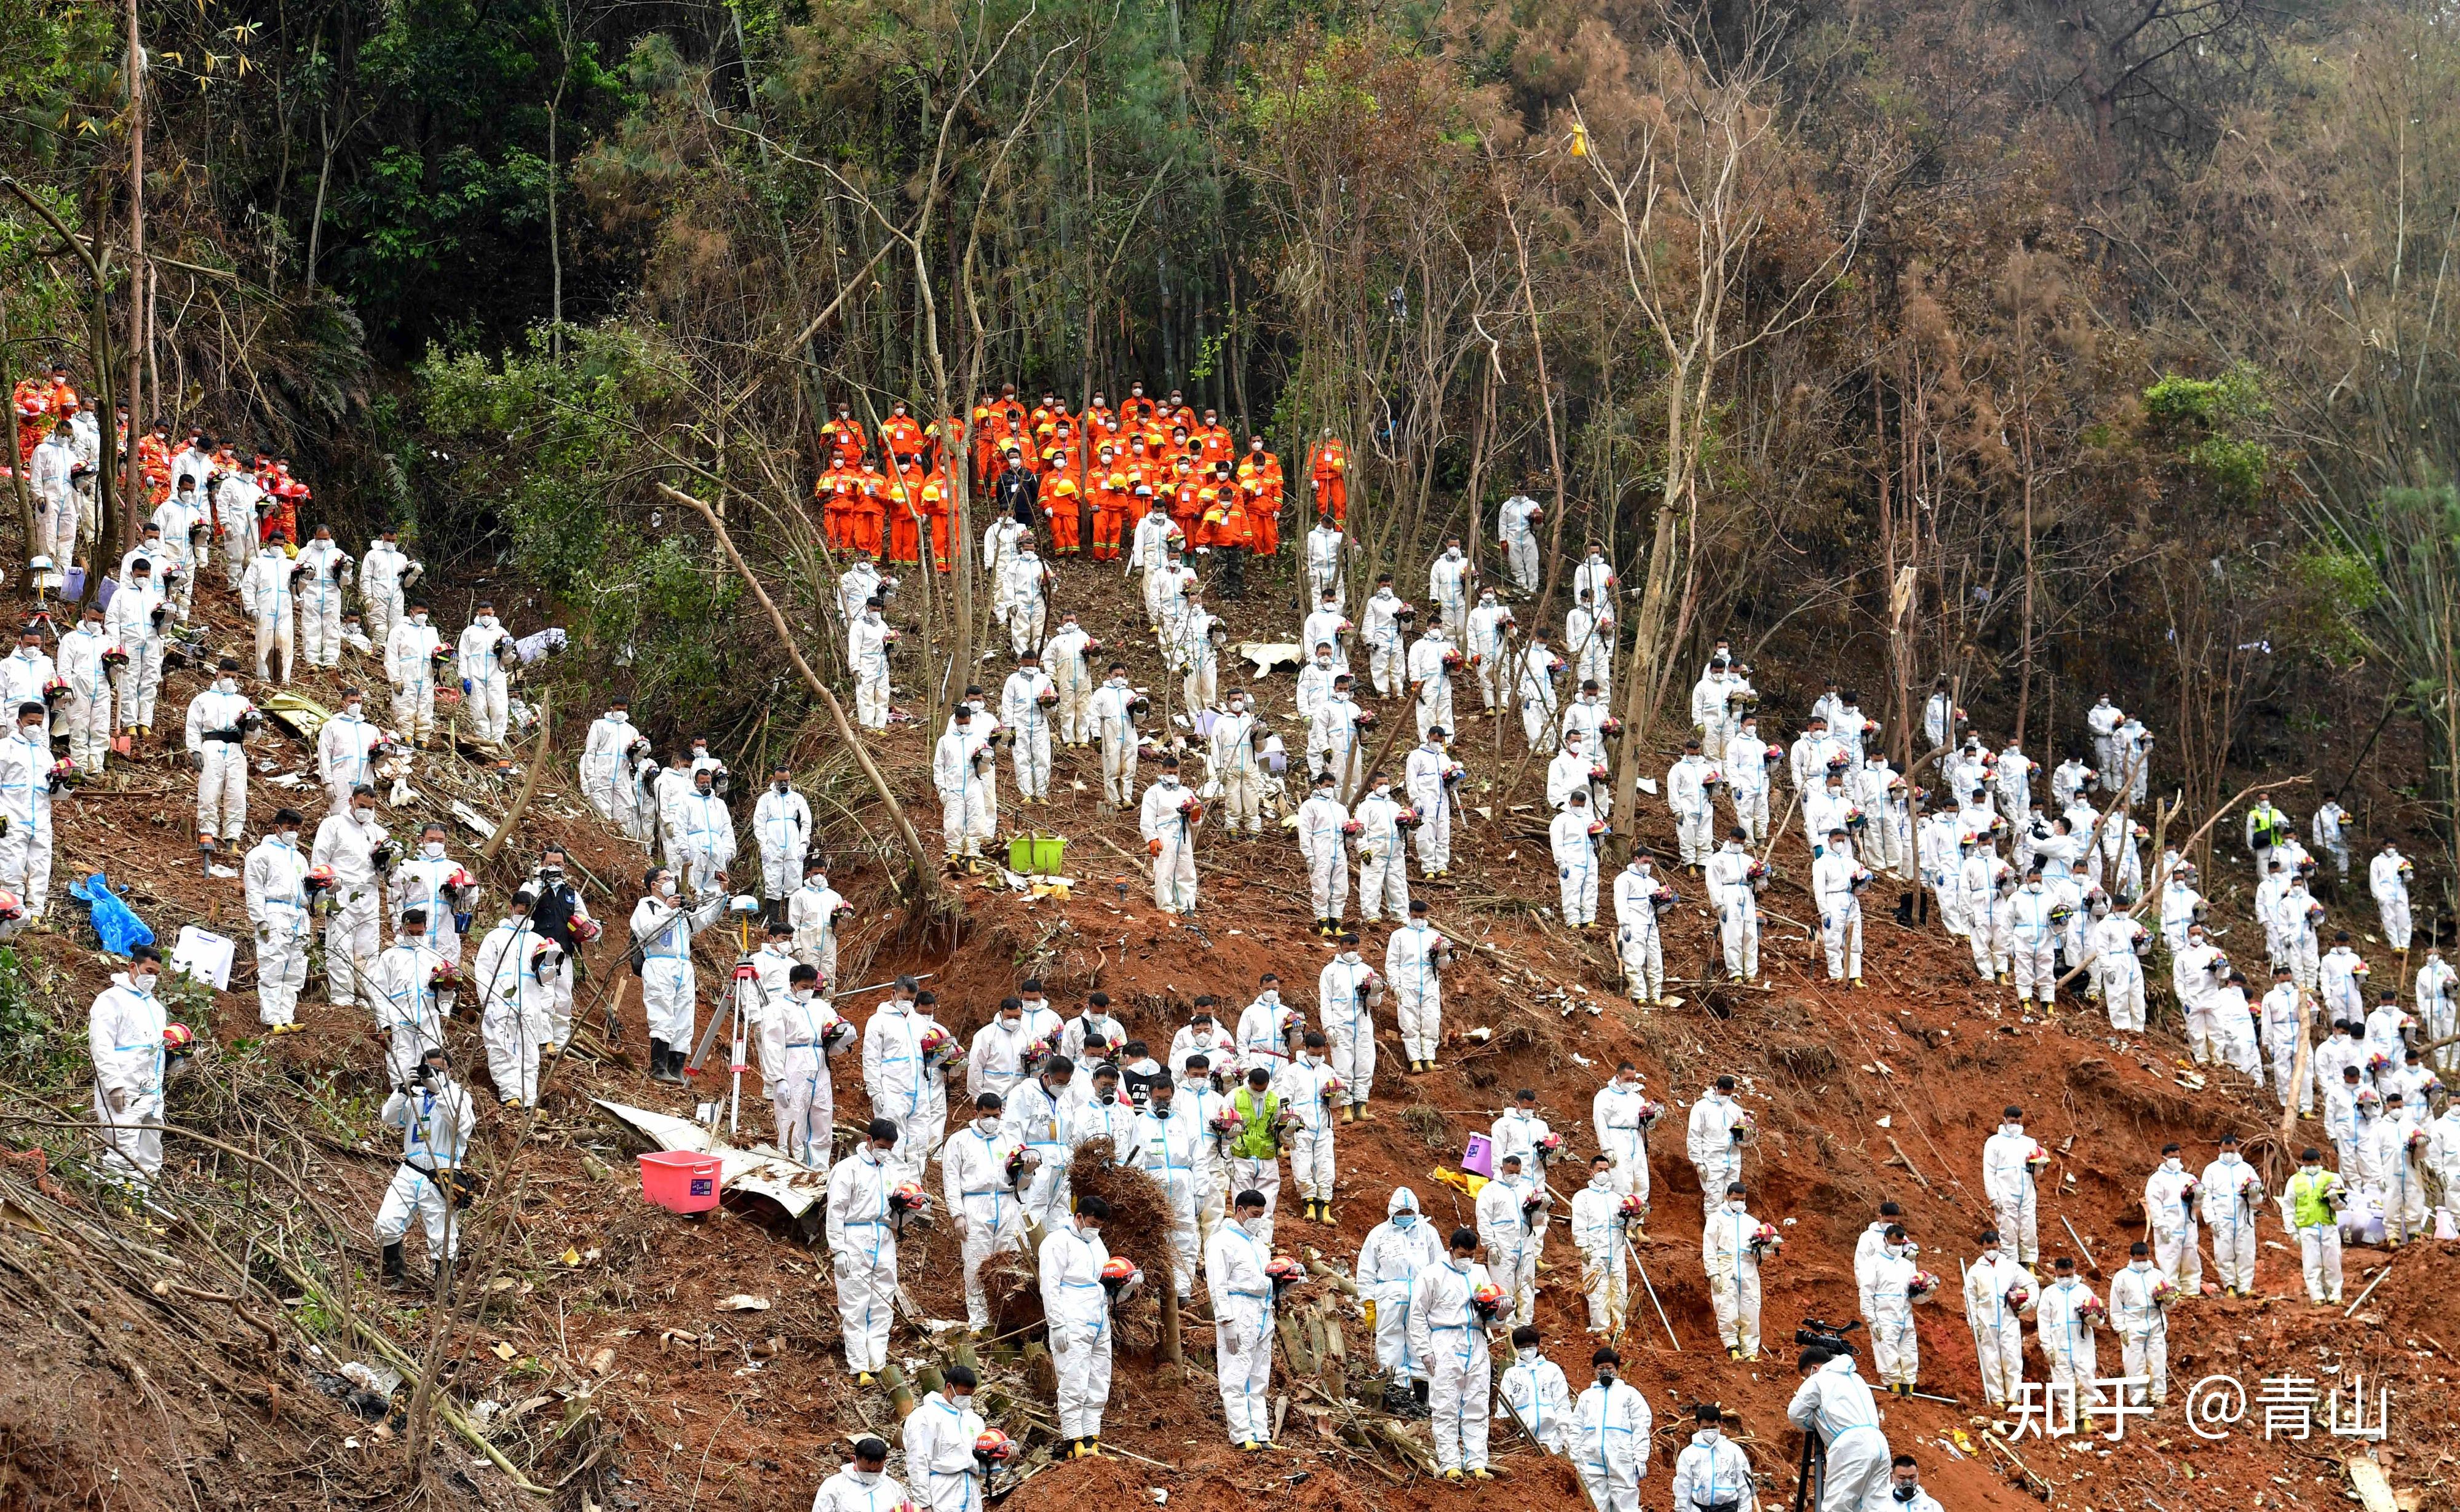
132	477
1546	406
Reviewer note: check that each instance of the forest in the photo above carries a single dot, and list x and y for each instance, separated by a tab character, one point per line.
2069	348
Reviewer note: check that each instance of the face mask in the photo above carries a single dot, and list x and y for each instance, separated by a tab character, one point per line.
489	621
143	981
1405	1220
667	888
1899	1249
226	685
1906	1493
1601	1180
290	837
801	995
433	850
1734	1205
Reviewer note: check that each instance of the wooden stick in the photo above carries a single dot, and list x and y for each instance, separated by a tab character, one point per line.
529	781
2081	1245
2368	1292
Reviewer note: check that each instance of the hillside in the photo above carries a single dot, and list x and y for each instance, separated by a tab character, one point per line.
189	1351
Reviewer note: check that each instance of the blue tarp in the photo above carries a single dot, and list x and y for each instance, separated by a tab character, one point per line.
119	929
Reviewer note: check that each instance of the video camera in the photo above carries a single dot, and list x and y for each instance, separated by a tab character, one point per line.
1815	1333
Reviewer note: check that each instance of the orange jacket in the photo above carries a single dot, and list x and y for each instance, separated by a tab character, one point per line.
845	440
900	438
1329	461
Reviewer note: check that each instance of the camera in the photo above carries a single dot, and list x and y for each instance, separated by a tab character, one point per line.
1815	1333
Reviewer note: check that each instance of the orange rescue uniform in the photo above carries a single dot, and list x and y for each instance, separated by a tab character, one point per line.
1330	468
1063	499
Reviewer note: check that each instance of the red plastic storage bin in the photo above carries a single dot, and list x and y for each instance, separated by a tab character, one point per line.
682	1181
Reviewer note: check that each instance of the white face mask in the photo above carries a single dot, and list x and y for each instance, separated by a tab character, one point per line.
290	837
433	850
143	981
226	684
1733	1205
366	815
487	619
666	887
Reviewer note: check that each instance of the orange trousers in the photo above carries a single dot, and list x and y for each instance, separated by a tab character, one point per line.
832	525
940	541
862	528
1107	525
1067	522
1268	531
905	537
1332	497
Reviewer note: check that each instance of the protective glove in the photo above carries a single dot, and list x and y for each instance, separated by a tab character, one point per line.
119	1099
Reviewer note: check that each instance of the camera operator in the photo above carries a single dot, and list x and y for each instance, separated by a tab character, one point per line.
1834	1404
435	1115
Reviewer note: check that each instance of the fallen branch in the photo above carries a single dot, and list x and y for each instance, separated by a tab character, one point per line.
529	782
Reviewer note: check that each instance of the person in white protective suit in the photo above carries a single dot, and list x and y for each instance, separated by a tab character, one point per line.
816	913
1836	882
2063	1324
1714	1137
1733	880
1998	1291
1168	1148
1712	1470
1068	658
2387	877
1383	857
2171	1217
1234	758
940	1434
265	593
345	750
1114	707
2116	943
1573	839
1621	1115
1895	1349
409	1012
1601	1236
124	1030
515	973
1448	1329
1868	1247
385	575
410	659
87	654
2316	1196
1323	830
983	1169
276	882
138	616
1609	1440
663	926
1079	1284
1537	671
1428	777
1312	1093
1516	527
322	576
799	1030
1448	580
1024	585
867	642
1389	1263
698	829
863	1214
1691	797
1337	735
862	1483
1027	700
2391	1170
1730	1250
2011	1158
2139	1300
27	673
1348	993
1237	1279
1489	647
219	720
1503	1231
1168	820
435	1115
2231	1195
897	1075
1414	961
358	852
1535	1393
781	825
1638	898
1834	1403
1431	660
485	681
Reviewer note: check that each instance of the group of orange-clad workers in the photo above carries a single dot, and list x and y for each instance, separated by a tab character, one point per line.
42	402
1087	477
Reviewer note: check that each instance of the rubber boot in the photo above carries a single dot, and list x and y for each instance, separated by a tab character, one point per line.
1420	1407
661	1062
393	1269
